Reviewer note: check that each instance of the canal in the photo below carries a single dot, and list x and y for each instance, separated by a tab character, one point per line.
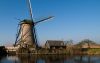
50	59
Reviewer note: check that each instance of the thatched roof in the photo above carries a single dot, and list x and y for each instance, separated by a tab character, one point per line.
88	44
55	43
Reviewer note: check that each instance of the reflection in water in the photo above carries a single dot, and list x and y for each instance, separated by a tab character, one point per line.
49	59
87	59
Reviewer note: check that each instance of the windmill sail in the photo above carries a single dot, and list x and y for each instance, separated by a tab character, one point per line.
30	9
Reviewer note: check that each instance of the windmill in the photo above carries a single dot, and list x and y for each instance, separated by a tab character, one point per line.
26	35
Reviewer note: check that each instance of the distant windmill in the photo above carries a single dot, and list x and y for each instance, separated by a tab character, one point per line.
26	35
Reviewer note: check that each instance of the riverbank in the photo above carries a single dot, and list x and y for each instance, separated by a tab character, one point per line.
58	52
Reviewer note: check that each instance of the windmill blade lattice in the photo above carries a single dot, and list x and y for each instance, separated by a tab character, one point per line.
43	19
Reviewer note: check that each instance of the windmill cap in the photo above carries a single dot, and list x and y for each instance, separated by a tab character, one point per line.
26	21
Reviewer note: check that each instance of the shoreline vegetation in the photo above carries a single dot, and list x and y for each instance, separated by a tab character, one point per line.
74	51
85	47
90	52
64	52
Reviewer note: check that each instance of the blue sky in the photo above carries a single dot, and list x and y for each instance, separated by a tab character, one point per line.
74	19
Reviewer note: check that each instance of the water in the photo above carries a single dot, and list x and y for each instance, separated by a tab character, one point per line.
50	59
